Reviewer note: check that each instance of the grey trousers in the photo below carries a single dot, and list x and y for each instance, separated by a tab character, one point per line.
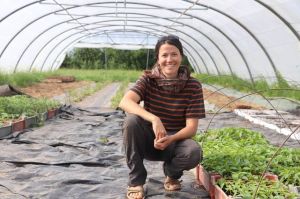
139	145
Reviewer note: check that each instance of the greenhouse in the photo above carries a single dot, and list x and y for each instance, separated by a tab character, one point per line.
72	73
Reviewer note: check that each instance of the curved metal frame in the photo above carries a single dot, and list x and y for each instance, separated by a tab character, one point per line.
210	24
78	39
249	32
20	8
138	4
172	10
115	25
295	32
141	21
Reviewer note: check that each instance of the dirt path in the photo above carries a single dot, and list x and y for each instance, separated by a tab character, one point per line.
50	88
101	98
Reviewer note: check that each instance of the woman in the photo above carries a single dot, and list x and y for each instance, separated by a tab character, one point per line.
163	128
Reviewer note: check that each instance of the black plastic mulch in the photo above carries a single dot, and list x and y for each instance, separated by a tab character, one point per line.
77	155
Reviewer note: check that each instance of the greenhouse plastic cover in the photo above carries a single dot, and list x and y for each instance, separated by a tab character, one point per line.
248	38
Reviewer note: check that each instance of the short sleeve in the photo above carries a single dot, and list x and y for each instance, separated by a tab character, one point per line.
196	107
140	87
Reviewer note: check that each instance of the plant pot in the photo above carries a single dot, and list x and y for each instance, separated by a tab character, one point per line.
18	125
51	113
42	117
5	131
30	122
220	194
207	180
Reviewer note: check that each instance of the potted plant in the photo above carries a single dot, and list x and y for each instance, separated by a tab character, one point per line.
5	129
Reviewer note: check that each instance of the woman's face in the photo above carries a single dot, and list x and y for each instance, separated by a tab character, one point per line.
169	60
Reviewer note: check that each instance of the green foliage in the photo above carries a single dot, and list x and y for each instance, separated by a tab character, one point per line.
101	75
280	88
23	79
108	58
245	187
120	93
226	81
233	150
17	106
241	155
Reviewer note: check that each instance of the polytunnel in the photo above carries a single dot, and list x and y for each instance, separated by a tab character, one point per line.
64	126
249	38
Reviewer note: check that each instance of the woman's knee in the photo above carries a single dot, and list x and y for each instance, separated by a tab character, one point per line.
193	153
131	122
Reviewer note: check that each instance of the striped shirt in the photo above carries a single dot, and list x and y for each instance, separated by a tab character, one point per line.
171	108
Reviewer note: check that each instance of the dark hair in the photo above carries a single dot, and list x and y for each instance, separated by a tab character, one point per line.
169	39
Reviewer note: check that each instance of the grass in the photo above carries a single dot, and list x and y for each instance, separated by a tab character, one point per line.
280	88
121	91
23	79
28	78
100	77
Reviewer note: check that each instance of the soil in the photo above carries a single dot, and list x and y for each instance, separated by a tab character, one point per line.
230	103
53	87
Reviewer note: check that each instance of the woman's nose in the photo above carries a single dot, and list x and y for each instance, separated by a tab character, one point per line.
169	58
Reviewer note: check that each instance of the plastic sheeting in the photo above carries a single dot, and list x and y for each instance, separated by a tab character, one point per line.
77	155
249	38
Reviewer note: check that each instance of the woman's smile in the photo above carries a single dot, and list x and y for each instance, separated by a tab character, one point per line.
169	60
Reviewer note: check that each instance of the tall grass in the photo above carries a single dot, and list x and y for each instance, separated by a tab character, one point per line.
101	75
23	79
28	78
281	88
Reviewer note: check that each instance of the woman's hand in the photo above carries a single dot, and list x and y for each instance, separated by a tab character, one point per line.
158	128
163	143
161	140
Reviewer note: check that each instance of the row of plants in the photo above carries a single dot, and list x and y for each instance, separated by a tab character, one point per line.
24	79
279	88
241	156
20	106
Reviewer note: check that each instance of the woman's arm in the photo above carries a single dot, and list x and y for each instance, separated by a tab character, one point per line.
129	103
187	132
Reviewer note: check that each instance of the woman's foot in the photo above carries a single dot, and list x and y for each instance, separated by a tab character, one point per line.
136	192
172	184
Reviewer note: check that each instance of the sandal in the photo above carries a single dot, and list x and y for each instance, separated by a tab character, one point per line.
135	192
172	184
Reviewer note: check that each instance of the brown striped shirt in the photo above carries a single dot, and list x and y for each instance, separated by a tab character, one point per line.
171	108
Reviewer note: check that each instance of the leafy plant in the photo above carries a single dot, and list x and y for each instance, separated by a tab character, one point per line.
245	188
19	106
241	155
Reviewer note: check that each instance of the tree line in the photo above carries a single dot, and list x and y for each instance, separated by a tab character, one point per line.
108	58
